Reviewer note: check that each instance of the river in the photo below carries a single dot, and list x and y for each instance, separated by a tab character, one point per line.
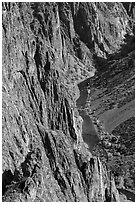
89	133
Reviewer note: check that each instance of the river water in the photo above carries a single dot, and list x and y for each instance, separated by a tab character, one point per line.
89	133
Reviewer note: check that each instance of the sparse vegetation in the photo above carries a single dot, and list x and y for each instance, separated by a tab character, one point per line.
117	151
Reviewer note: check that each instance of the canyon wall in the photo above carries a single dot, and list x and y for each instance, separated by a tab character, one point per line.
47	49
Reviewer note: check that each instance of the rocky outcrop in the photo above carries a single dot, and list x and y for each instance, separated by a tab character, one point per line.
44	56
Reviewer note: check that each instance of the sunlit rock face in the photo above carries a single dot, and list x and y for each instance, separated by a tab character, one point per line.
48	48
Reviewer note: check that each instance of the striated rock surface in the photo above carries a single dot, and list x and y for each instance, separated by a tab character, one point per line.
47	49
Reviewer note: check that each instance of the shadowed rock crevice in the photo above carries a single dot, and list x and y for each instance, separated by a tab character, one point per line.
7	178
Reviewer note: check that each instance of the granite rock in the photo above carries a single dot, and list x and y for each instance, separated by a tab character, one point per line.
47	49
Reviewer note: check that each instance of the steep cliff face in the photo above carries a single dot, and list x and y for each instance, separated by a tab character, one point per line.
47	49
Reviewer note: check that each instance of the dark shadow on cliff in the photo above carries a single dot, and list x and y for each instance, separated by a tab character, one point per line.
130	195
128	46
7	178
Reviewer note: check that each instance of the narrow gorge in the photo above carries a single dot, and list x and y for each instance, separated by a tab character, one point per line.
66	66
